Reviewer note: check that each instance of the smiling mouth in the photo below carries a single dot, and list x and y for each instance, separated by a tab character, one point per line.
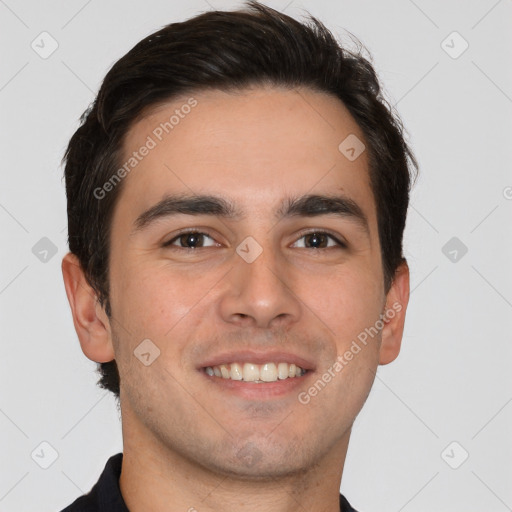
256	373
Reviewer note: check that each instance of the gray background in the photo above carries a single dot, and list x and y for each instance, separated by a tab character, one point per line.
451	382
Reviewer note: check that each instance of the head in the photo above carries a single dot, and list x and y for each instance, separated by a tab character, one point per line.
252	116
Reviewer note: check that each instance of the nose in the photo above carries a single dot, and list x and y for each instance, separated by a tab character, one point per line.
260	293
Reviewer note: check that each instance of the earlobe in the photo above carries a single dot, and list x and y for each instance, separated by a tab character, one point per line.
90	321
394	315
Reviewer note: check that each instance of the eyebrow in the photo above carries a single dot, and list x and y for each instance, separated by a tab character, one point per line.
310	205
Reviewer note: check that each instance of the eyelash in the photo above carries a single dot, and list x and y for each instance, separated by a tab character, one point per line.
341	245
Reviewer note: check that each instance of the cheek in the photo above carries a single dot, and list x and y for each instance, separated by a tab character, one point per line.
146	305
153	300
347	300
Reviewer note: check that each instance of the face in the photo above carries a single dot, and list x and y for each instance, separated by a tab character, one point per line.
276	273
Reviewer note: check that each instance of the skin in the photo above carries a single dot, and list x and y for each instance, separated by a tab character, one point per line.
187	442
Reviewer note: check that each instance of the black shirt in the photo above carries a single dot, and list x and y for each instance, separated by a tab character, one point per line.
106	496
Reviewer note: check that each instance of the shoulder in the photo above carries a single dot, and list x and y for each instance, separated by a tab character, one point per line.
105	494
345	506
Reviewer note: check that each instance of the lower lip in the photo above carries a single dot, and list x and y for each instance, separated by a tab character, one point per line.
259	391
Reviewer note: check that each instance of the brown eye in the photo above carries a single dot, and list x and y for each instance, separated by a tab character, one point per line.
318	240
190	240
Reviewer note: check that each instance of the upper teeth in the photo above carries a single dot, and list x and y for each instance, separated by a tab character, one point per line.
268	372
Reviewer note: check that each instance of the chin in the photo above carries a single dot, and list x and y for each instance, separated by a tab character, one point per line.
262	460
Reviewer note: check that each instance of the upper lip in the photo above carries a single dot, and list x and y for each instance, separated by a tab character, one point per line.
257	357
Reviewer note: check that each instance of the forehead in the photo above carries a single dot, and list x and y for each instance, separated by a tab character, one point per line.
255	146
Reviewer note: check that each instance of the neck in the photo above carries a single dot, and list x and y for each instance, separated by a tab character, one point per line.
155	477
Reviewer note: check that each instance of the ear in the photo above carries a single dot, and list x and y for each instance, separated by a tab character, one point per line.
91	322
394	315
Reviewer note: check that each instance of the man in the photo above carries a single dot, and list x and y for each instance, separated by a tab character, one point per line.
237	196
